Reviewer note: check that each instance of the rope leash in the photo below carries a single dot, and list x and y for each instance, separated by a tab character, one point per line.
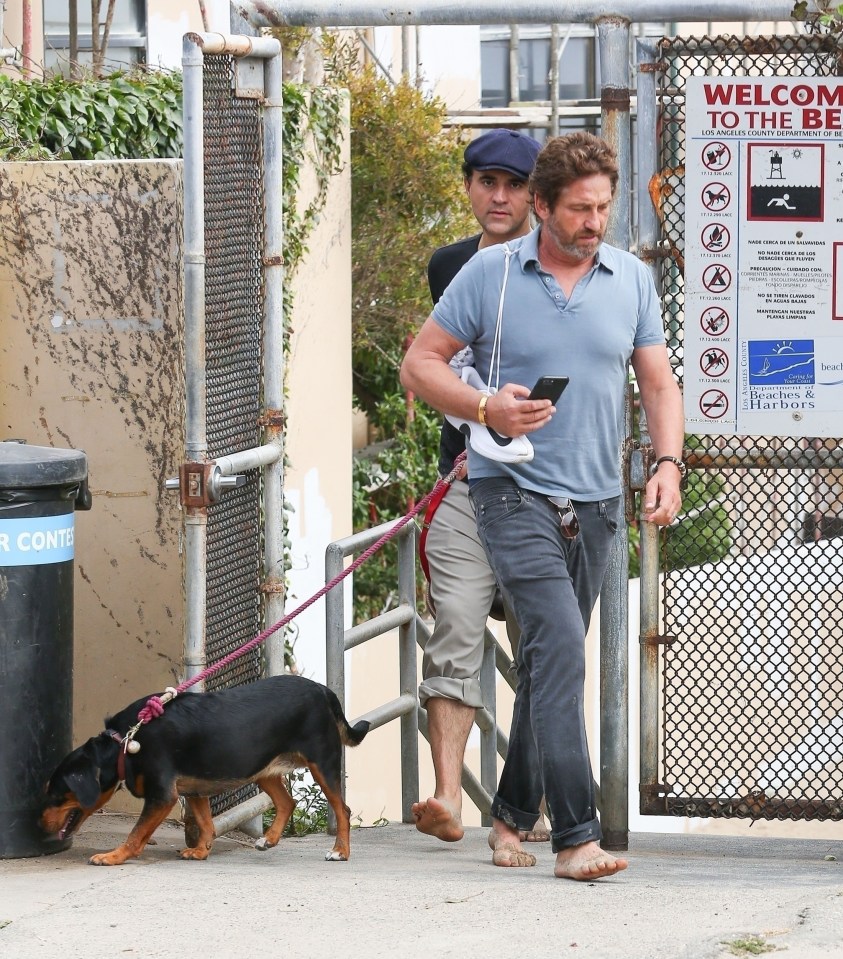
155	704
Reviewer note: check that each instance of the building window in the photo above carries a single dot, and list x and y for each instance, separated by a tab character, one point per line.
578	70
126	41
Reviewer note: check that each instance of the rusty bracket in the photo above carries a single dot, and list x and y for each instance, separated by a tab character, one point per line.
658	639
272	588
273	419
653	798
616	98
194	484
652	254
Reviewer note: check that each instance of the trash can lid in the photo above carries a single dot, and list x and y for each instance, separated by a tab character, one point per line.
23	466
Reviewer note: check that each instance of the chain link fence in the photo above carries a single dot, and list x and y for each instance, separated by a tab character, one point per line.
234	224
752	661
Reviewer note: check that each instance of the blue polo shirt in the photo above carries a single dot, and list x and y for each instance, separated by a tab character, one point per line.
590	337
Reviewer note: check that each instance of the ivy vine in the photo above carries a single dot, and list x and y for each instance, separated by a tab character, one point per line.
138	115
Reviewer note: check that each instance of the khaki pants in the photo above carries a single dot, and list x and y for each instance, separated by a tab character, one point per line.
462	587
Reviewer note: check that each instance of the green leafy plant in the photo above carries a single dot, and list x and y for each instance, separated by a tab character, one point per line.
128	115
826	17
749	946
407	199
311	812
138	115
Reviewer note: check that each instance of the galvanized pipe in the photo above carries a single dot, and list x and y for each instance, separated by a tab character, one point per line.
488	730
386	712
249	459
273	348
391	619
407	671
613	37
196	444
648	237
336	644
237	815
360	13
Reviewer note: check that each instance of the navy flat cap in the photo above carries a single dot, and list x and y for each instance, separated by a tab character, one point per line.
503	150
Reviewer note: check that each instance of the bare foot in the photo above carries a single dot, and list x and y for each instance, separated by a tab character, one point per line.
506	848
539	832
586	862
435	817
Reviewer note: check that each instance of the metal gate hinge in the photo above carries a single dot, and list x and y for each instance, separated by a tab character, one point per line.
653	799
658	640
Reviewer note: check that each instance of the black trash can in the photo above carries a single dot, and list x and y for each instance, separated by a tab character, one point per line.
40	488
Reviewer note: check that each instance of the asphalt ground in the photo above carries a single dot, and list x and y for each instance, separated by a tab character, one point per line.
406	895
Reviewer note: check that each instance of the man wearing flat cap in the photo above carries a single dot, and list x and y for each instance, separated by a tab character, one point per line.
462	586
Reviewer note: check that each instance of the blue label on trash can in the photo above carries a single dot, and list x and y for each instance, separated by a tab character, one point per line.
36	541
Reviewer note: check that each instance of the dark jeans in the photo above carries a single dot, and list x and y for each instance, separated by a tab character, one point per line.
551	584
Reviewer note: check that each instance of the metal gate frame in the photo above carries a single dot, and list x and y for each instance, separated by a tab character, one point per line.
203	479
659	656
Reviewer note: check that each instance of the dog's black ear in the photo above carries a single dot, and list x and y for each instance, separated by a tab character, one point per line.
85	785
92	769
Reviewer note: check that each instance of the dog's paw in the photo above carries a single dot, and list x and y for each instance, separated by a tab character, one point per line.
197	853
106	859
335	856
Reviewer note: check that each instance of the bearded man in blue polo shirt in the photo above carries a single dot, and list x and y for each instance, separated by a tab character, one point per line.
562	302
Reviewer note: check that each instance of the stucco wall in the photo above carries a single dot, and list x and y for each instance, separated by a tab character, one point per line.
90	359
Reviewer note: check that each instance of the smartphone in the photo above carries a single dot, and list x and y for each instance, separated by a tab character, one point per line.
549	388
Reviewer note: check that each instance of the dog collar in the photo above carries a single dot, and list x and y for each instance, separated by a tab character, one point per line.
121	755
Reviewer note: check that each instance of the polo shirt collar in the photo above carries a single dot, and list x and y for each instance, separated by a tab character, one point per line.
605	257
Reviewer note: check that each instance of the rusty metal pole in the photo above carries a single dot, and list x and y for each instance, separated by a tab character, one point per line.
648	237
613	34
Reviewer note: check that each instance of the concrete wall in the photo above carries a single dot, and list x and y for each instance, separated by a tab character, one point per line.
90	359
318	439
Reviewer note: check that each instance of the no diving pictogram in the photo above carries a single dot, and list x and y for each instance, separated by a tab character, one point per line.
716	278
714	321
716	155
714	404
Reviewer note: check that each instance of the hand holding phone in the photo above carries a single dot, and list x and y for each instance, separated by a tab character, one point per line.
548	388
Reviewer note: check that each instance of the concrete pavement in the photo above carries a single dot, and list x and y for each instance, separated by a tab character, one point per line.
405	895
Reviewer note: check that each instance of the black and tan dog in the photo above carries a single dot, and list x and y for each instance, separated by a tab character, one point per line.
202	745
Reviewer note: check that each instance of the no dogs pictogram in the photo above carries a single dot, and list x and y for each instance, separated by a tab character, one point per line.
716	196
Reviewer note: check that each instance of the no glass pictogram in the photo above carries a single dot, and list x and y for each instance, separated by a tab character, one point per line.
716	196
716	278
715	237
714	321
714	404
716	155
714	362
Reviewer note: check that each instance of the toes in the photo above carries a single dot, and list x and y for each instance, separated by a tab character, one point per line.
506	854
335	856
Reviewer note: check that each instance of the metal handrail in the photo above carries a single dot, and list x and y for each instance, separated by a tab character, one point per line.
412	630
